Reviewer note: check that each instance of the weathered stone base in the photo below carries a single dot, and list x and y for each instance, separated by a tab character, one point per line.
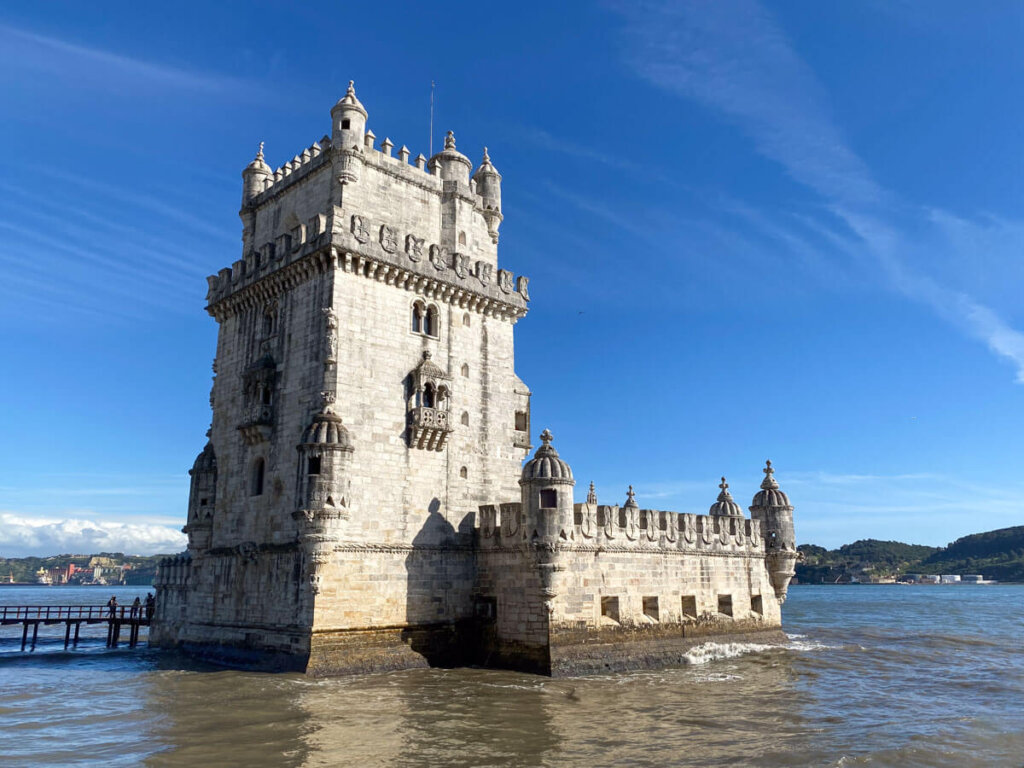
357	651
238	657
620	649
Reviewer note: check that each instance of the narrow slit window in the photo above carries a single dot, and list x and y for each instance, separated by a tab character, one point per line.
258	470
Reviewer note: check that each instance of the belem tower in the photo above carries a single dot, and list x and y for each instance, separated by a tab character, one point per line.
362	502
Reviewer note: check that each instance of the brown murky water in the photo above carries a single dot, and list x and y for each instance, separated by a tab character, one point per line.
872	676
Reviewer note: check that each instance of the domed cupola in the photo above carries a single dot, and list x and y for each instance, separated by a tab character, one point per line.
545	466
726	505
326	431
205	461
452	165
770	497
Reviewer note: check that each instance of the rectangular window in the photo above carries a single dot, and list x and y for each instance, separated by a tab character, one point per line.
690	607
651	608
548	498
725	605
314	466
610	608
521	421
756	605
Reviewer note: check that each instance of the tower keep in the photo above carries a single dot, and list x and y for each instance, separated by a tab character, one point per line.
362	501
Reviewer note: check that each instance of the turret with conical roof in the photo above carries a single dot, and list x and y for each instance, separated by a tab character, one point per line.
772	506
488	186
348	120
254	177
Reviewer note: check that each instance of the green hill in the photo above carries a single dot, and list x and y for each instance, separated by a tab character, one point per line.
996	555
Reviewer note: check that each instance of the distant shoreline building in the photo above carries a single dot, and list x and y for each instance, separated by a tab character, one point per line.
362	502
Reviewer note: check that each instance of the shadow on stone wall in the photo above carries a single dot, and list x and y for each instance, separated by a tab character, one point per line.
439	580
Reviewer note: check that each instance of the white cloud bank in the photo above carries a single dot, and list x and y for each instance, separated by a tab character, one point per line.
21	537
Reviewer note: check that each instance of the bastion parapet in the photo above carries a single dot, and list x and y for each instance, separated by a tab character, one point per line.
362	501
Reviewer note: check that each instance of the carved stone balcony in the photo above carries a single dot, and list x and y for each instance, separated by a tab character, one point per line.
429	428
257	423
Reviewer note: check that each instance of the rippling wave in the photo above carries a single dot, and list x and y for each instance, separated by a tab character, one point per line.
868	677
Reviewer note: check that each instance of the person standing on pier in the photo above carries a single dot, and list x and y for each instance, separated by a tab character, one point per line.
150	603
136	608
112	605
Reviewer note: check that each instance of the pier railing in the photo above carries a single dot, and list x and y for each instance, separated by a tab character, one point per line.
73	616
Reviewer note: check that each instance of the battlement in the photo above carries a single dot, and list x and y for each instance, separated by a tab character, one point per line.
613	527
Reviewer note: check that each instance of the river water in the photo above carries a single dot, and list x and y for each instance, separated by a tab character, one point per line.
872	675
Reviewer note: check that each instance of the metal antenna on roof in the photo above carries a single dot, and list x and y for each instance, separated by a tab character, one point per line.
431	142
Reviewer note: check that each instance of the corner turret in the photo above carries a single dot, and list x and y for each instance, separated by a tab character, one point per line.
547	484
488	186
772	506
348	120
725	505
202	499
254	177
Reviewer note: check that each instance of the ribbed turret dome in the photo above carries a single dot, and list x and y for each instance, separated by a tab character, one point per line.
545	464
485	168
326	429
451	154
769	495
258	163
206	461
725	505
350	100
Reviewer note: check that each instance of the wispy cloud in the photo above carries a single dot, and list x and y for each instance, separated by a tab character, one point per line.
54	56
732	57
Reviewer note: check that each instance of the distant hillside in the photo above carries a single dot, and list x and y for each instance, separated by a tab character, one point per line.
863	560
996	555
114	567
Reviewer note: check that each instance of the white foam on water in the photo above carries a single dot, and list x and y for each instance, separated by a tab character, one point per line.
708	652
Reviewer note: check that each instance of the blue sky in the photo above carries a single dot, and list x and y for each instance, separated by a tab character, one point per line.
786	230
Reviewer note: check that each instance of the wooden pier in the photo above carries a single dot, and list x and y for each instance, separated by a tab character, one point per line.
72	617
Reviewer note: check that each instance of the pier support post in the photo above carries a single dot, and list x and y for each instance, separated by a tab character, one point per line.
67	635
24	635
78	626
35	634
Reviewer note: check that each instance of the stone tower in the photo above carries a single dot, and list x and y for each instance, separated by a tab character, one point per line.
365	404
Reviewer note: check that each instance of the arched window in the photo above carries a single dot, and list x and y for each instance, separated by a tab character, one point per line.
258	469
268	322
464	473
442	397
465	369
265	395
465	418
465	319
430	322
428	396
462	238
417	318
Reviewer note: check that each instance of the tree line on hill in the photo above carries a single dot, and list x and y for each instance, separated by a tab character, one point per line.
996	555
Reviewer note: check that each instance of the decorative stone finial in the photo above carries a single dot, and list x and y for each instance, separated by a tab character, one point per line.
769	483
487	158
630	497
591	494
723	485
351	88
546	437
449	140
259	152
